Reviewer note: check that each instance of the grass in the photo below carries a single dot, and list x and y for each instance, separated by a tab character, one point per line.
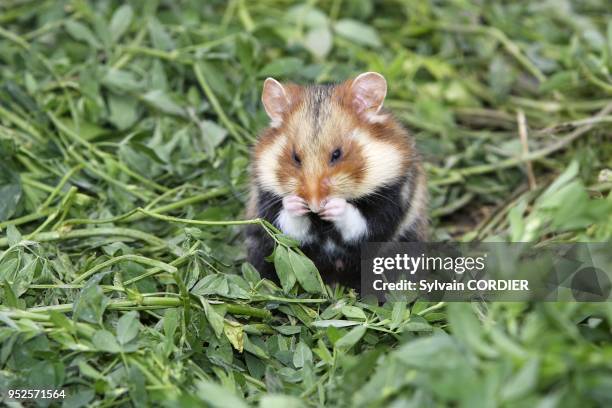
124	133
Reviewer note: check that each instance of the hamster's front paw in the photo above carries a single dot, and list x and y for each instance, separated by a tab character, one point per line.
295	205
346	217
333	209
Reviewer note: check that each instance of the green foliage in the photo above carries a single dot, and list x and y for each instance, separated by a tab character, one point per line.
124	136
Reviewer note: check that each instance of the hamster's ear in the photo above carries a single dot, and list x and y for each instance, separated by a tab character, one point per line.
369	90
275	100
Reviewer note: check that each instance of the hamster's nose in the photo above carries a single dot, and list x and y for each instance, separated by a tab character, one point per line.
316	205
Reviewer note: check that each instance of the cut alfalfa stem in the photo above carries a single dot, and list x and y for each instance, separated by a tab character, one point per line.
27	218
123	258
74	136
459	175
60	185
255	221
176	263
92	232
522	127
453	206
437	306
155	302
500	36
215	103
136	214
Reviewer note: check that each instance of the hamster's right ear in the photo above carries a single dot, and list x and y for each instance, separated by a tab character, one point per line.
275	100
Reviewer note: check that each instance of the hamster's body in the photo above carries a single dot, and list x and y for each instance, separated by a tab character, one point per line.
333	171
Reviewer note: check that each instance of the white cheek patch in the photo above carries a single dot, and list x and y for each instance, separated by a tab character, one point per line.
351	225
296	227
383	163
267	165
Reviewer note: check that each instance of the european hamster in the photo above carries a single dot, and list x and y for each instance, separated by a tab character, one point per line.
334	170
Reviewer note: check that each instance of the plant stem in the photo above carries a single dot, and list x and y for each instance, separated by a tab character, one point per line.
60	185
176	263
254	221
437	306
134	258
151	302
215	103
499	35
93	232
133	215
460	174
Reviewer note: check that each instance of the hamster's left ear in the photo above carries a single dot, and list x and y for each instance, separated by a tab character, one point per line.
368	91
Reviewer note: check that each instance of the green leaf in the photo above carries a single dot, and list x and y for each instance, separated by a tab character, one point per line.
13	236
212	135
91	302
81	32
211	284
79	399
170	322
122	81
235	334
357	32
218	396
466	327
609	31
9	297
147	151
286	240
123	112
104	340
351	338
397	315
282	67
10	191
306	272
127	327
122	17
438	351
302	355
280	401
162	101
319	41
353	312
283	268
159	36
568	175
43	375
84	129
255	349
416	324
288	330
334	323
523	382
215	319
250	274
307	15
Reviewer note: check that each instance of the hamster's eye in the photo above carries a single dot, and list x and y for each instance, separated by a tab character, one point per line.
335	156
296	158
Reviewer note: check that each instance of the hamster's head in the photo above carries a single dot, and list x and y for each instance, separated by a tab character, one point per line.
329	140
